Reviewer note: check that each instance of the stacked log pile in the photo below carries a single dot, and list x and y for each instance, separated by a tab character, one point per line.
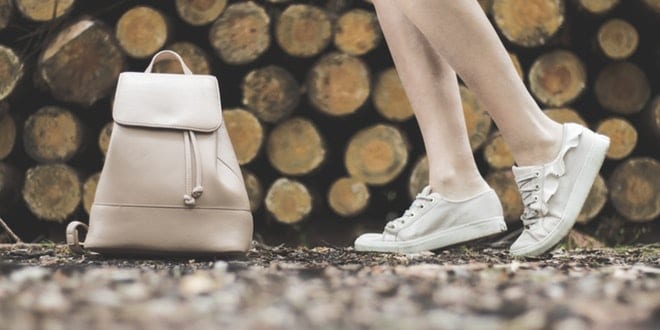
322	128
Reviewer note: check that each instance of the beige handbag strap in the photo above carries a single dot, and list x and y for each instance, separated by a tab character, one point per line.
167	55
72	240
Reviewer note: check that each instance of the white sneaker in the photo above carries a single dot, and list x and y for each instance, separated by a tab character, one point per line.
432	222
553	193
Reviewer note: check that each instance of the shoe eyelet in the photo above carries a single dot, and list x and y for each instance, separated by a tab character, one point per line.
536	198
538	174
537	187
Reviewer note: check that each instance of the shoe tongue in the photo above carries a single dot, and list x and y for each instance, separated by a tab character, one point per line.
523	170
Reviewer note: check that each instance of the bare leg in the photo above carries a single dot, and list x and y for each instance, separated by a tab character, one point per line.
432	87
462	34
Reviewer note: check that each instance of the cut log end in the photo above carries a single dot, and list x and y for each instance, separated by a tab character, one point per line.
598	7
242	33
617	39
194	57
565	115
82	63
389	97
43	10
557	78
622	134
245	132
348	196
303	30
271	93
477	120
53	134
338	84
635	189
7	134
11	71
595	201
52	192
528	23
296	147
622	88
142	31
497	153
504	184
254	189
376	154
89	191
357	32
419	177
104	137
288	201
200	12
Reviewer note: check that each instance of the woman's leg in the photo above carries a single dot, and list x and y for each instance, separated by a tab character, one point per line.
458	206
462	34
432	88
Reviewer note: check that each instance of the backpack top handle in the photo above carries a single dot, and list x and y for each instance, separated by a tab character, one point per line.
168	55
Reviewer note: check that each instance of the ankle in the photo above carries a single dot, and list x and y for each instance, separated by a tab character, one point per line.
541	150
458	187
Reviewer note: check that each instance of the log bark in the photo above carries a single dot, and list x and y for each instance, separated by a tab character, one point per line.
419	177
142	31
376	154
53	135
528	23
504	184
338	84
44	10
497	153
254	189
348	196
296	147
82	63
10	186
303	30
635	189
595	201
357	32
271	93
598	7
622	88
7	134
11	71
622	134
288	201
52	192
557	78
565	115
104	137
477	120
6	12
89	191
242	33
246	134
200	12
389	97
194	57
617	39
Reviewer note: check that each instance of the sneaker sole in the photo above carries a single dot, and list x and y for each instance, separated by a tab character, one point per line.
451	236
588	172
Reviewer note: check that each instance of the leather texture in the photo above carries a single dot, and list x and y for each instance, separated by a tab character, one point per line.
171	183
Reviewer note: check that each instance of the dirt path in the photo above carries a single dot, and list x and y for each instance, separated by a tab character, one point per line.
331	288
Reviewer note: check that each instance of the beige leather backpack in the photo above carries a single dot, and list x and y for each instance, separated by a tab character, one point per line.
170	183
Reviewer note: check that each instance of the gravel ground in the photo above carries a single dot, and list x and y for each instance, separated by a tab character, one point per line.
45	287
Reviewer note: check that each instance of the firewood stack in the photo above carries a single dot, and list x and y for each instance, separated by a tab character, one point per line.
321	125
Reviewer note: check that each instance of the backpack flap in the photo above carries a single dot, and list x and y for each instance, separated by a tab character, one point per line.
166	100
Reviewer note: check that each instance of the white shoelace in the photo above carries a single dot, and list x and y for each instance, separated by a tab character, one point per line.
419	203
535	207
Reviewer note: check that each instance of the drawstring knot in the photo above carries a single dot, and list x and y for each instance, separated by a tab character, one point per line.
191	149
